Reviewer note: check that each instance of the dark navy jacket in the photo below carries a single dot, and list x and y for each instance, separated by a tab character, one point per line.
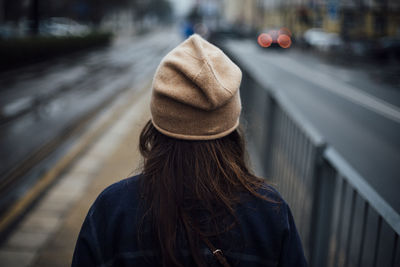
109	233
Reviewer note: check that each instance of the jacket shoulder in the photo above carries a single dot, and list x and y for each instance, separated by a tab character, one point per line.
121	186
118	194
269	210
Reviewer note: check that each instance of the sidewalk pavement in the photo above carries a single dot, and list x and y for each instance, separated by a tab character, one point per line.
47	235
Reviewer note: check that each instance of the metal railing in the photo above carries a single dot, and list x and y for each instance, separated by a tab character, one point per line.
341	219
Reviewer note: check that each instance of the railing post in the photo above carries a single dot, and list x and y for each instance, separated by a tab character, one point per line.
320	233
270	117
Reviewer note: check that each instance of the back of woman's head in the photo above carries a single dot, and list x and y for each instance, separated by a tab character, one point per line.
204	167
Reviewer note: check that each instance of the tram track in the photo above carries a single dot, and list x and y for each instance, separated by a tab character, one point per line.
11	211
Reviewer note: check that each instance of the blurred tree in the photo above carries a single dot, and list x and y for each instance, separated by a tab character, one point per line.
94	10
195	15
12	9
34	17
161	9
88	11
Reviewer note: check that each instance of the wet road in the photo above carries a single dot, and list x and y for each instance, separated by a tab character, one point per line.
38	103
358	115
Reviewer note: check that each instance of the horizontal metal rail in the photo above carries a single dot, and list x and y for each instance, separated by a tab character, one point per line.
316	138
363	188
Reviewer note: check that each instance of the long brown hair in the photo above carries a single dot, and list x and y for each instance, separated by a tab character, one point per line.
190	189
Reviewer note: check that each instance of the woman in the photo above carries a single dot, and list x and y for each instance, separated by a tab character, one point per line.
196	203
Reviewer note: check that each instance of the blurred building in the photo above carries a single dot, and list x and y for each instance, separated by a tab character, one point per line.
361	19
19	18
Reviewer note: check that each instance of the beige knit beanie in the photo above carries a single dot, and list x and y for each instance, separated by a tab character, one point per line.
196	92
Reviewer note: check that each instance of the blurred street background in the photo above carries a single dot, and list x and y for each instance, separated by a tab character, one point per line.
321	110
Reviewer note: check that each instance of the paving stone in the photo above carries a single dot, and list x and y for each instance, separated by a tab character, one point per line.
75	177
101	149
63	196
26	241
87	165
39	222
108	142
54	204
56	258
71	188
120	128
10	258
38	212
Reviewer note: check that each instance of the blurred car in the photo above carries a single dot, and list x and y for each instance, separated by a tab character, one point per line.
389	47
321	40
362	48
385	48
231	31
60	26
275	38
10	30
